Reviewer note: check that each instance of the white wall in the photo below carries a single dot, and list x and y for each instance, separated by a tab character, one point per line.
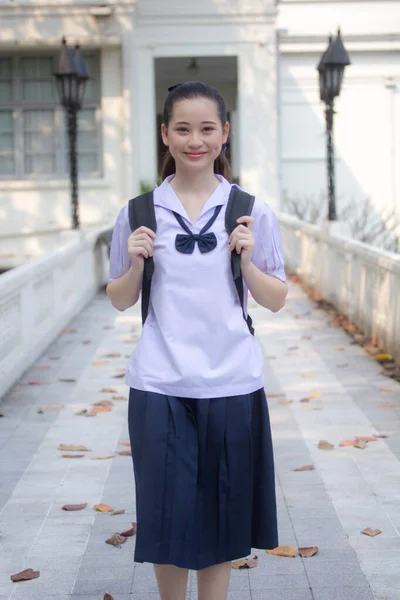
367	123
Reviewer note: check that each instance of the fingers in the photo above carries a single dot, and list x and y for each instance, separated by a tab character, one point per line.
240	238
140	242
246	220
146	230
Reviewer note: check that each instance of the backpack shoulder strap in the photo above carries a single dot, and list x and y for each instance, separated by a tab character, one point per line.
141	213
240	203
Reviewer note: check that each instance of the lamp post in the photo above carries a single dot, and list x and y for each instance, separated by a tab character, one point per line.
71	77
331	70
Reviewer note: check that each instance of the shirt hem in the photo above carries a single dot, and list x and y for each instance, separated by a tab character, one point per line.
197	393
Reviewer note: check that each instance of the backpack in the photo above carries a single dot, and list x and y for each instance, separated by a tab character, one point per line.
141	213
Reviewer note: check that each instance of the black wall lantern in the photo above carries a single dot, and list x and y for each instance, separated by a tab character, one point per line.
331	70
71	77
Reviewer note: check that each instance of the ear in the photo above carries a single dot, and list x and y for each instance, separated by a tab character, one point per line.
226	132
164	134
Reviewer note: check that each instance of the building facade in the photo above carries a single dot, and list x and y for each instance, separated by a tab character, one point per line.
260	54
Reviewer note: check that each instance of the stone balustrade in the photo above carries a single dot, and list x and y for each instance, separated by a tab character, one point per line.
361	281
39	298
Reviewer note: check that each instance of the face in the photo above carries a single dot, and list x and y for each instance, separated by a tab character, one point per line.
195	134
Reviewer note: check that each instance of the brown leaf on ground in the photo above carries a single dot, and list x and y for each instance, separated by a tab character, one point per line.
99	362
312	408
51	406
361	444
385	389
293	348
116	540
285	401
118	512
37	383
270	395
383	357
43	367
69	330
103	457
305	468
70	447
54	357
125	453
324	445
379	435
389	405
72	455
130	532
308	551
365	438
66	380
125	444
86	341
74	506
119	376
112	355
287	551
100	409
347	443
306	399
119	398
82	412
245	563
307	375
340	348
25	575
371	532
109	390
103	403
104	508
108	597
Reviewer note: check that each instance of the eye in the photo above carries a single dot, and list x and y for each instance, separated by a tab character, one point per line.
182	129
208	129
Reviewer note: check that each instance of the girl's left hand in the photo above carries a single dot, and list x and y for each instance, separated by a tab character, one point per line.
242	240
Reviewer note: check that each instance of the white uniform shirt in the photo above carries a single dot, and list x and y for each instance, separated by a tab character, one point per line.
195	342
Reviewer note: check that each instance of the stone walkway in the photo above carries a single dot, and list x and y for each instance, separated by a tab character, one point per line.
349	490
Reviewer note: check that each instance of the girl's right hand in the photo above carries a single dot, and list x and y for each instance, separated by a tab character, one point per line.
140	245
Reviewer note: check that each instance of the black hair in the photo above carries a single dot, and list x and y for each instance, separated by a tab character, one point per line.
186	91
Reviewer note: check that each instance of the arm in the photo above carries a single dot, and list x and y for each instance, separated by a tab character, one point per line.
124	291
268	291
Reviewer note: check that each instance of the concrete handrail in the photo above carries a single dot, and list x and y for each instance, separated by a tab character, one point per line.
360	280
39	298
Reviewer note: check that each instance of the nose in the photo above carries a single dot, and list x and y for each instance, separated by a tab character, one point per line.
195	141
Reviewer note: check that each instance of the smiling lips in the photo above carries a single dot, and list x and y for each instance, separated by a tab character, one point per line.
195	155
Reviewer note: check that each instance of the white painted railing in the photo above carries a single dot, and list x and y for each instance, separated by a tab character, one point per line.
361	281
38	299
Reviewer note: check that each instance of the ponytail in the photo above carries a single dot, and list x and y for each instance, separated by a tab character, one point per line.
221	166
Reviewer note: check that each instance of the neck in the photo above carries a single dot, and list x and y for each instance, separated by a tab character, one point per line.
195	182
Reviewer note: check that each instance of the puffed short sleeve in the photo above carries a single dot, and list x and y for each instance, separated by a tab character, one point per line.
268	250
119	257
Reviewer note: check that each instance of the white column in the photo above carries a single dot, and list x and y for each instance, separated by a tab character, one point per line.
144	118
128	99
257	114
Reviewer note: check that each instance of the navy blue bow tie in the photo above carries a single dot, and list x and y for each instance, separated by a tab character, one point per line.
205	241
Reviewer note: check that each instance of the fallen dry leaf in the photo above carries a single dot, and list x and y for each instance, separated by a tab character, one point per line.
346	443
116	540
112	355
119	398
270	395
312	408
340	348
103	457
287	551
371	532
43	367
307	375
70	447
99	362
383	357
104	508
66	380
389	405
379	435
50	407
70	330
324	445
130	532
82	412
365	438
308	551
119	376
37	383
385	389
305	468
100	409
54	357
86	342
125	453
306	399
103	403
109	390
124	443
25	575
361	444
285	401
245	563
118	512
72	455
74	506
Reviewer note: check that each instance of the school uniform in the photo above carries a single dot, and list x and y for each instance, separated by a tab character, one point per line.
198	418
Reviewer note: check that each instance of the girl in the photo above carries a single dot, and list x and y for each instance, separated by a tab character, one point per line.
198	418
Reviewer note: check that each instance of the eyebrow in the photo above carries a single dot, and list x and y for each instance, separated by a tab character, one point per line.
203	123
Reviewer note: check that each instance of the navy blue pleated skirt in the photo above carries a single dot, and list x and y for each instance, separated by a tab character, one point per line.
204	474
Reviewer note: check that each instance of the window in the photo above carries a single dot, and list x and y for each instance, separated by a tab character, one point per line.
33	133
